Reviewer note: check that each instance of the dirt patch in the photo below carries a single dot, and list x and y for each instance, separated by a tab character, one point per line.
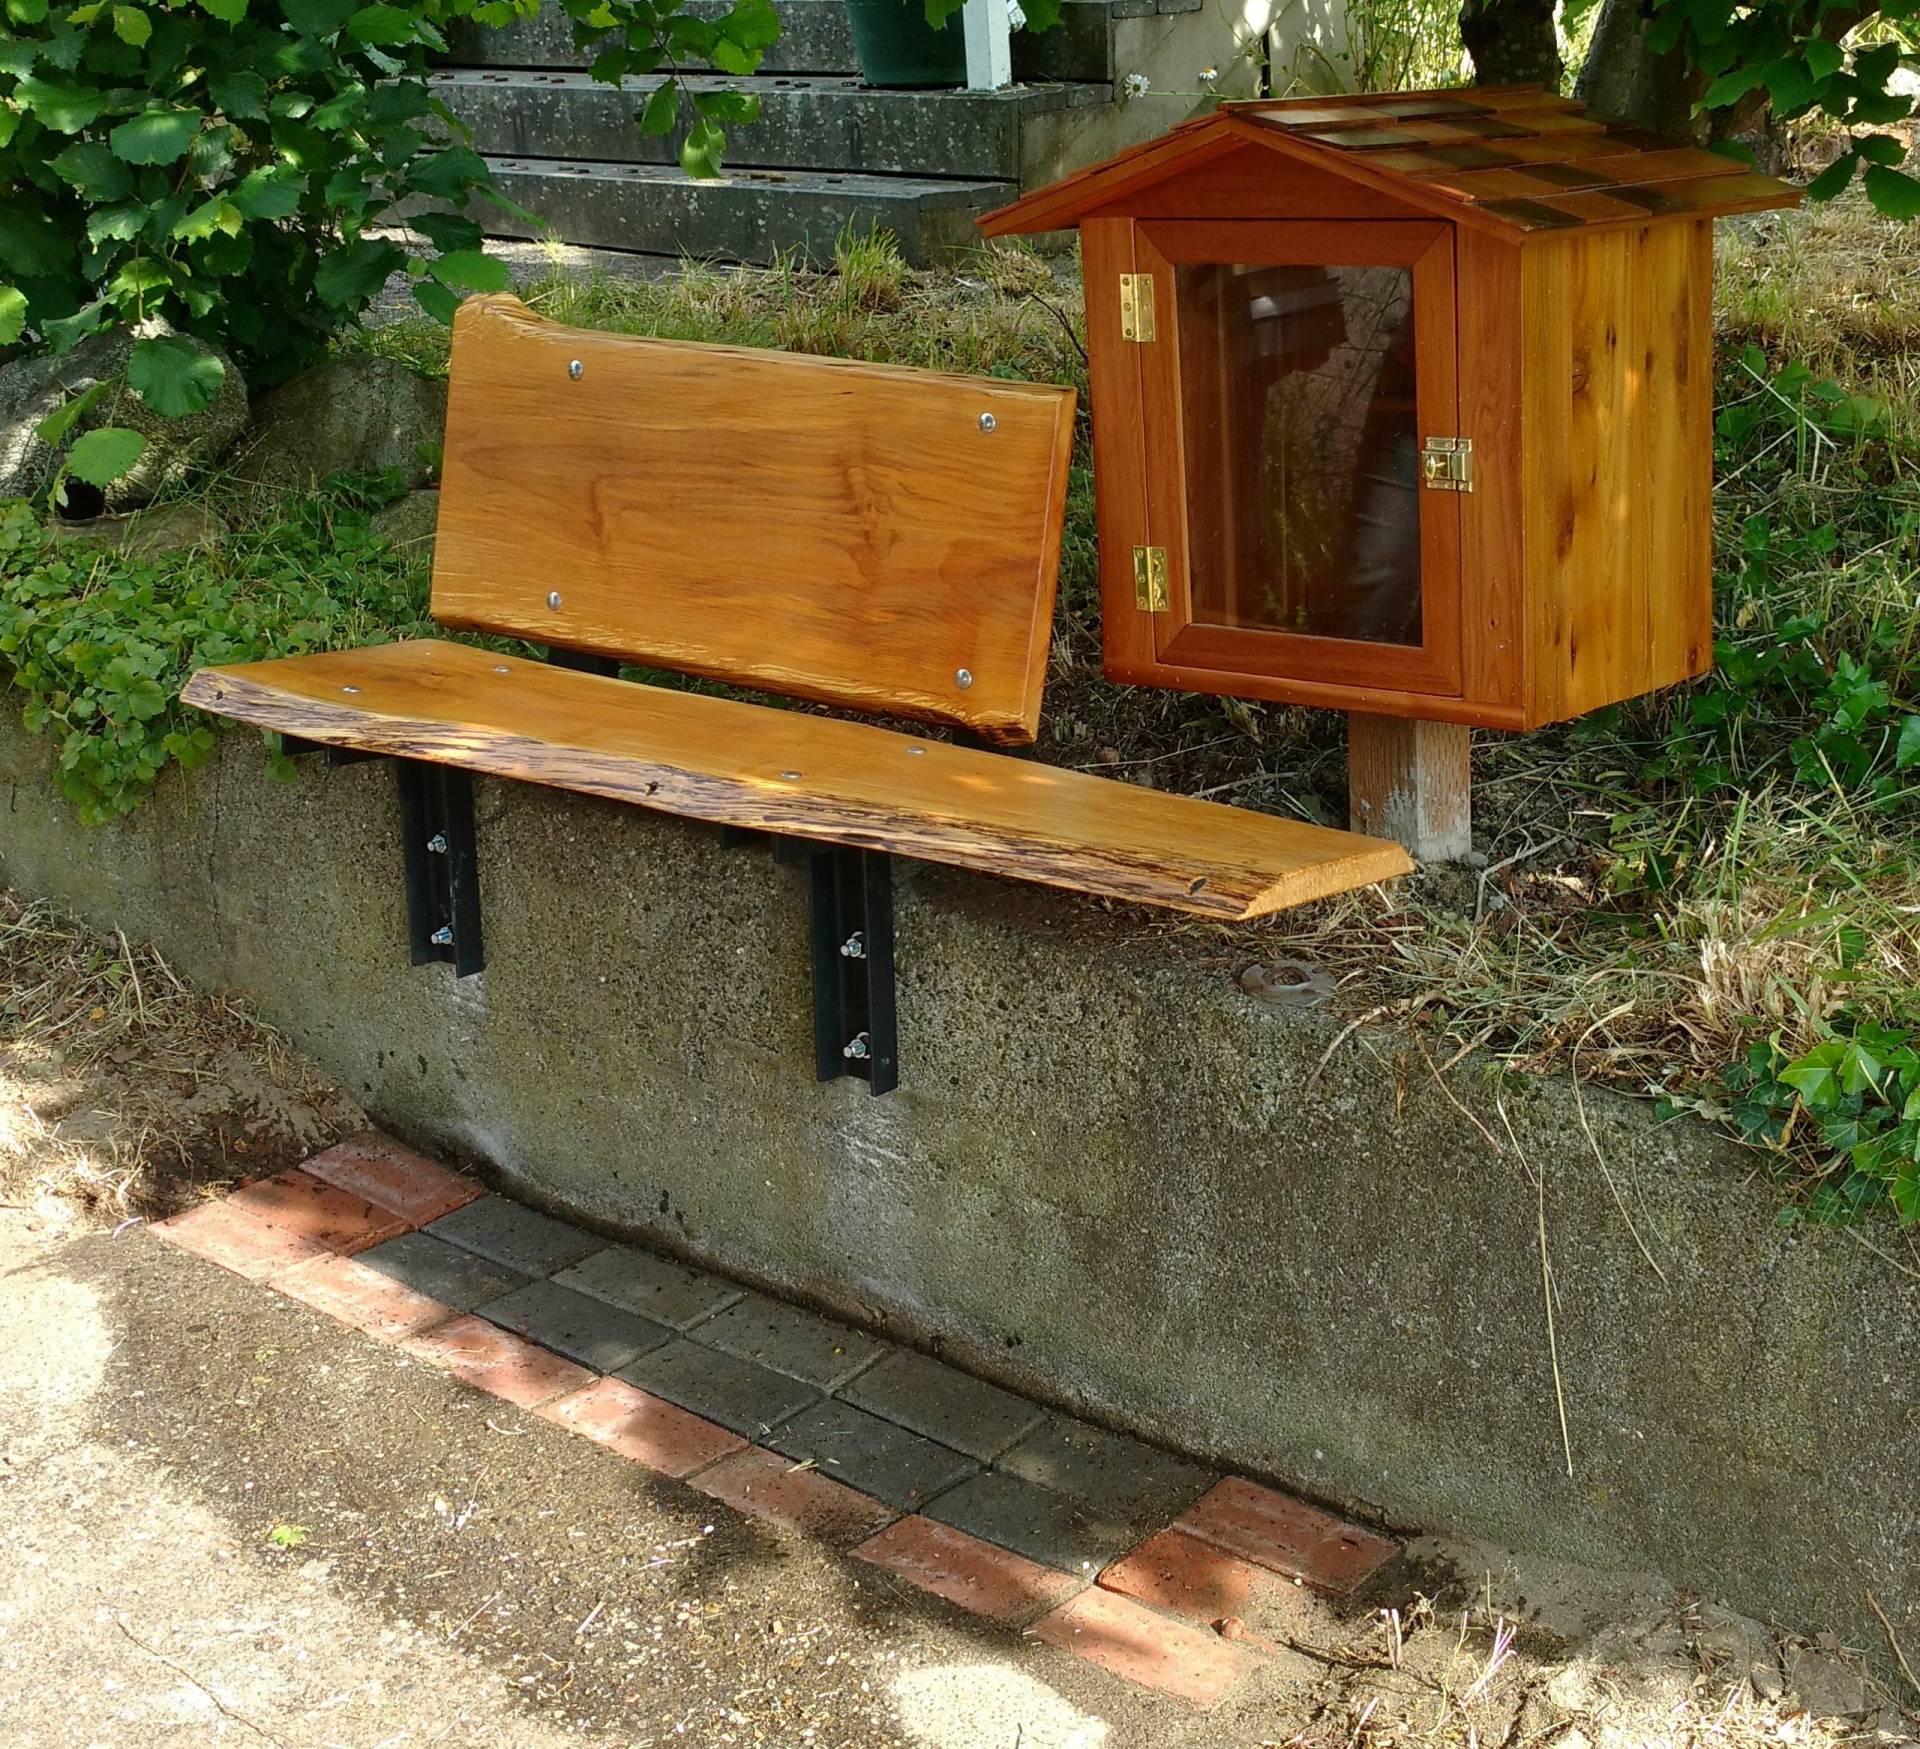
124	1093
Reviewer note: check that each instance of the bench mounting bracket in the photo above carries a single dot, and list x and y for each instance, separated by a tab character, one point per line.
442	869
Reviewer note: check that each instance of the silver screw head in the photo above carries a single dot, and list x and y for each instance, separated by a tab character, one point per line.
988	422
502	668
442	937
790	776
349	689
963	678
553	600
574	368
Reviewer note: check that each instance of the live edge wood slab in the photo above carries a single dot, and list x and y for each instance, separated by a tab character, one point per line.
786	771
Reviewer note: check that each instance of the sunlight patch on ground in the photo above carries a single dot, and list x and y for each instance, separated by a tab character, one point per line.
988	1706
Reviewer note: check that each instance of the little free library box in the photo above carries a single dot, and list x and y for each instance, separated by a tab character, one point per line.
1402	405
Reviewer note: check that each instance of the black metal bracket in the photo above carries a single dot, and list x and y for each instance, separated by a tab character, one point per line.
298	747
442	866
583	662
850	909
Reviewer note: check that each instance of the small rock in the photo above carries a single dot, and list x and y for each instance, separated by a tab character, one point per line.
409	522
1829	1687
1766	1680
353	414
145	534
35	386
1288	984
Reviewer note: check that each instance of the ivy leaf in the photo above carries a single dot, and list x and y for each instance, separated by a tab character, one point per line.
239	94
1731	87
318	18
160	136
732	57
271	192
734	106
383	24
449	174
662	110
52	430
227	11
470	270
1906	751
1824	59
447	232
13	314
64	108
94	170
700	153
1832	180
27	11
132	26
101	457
172	375
352	274
436	300
1893	192
116	224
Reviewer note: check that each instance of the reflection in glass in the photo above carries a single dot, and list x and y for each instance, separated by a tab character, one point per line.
1303	503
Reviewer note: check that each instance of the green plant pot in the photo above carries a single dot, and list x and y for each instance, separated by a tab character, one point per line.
898	47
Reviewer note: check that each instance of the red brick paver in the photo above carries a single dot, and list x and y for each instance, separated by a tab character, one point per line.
641	1426
1286	1535
763	1484
225	1235
1130	1641
298	1203
1178	1572
364	1298
494	1360
992	1582
377	1168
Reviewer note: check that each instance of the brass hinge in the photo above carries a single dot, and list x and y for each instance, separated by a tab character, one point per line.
1150	579
1446	464
1136	307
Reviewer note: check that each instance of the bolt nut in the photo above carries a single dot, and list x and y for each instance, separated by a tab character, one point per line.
963	678
855	1048
438	844
988	422
442	937
574	368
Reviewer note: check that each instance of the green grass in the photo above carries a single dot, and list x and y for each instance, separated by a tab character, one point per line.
1683	897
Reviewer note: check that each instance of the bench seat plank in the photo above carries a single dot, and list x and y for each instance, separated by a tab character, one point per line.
784	771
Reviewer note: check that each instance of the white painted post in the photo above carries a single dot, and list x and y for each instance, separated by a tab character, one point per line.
989	25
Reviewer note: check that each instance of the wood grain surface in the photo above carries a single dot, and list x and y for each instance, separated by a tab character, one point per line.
743	764
864	535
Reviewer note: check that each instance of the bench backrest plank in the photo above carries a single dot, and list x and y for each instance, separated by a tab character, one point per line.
868	536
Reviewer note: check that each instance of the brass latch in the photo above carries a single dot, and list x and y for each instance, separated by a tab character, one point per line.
1136	307
1150	579
1446	464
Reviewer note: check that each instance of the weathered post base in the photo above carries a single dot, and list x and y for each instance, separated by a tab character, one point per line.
1411	781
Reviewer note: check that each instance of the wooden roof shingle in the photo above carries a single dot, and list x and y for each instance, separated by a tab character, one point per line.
1516	160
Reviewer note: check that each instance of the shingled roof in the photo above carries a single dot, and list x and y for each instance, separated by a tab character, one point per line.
1516	160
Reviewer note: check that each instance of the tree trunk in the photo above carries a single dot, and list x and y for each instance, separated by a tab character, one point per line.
1624	81
1512	42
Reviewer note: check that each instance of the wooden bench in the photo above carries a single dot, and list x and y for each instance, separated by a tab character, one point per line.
882	540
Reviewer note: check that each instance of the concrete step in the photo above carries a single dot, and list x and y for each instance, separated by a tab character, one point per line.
806	123
748	215
814	38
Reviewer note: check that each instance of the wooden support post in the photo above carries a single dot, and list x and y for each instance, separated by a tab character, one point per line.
988	25
1411	781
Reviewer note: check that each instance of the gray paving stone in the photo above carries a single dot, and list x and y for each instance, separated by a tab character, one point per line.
587	1330
791	1341
441	1271
875	1456
750	1399
943	1404
655	1287
521	1238
1120	1478
1054	1529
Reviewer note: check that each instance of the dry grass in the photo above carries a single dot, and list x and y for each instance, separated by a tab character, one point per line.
125	1093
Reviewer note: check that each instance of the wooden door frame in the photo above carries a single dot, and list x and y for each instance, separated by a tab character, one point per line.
1433	666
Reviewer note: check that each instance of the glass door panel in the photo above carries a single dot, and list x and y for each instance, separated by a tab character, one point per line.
1303	368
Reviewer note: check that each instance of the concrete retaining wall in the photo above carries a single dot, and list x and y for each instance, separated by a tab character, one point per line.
1110	1179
